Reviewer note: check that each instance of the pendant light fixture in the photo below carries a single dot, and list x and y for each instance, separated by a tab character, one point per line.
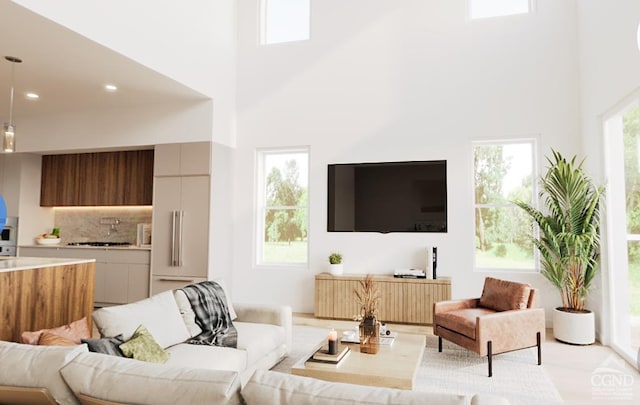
8	139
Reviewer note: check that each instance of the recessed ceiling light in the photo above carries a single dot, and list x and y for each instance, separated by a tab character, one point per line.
32	96
110	87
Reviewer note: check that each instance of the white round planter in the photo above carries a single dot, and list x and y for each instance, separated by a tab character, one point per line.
336	269
574	327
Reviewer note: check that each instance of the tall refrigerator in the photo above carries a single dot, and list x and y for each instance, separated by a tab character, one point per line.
180	230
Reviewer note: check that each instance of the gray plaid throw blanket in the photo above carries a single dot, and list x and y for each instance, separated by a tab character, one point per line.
212	315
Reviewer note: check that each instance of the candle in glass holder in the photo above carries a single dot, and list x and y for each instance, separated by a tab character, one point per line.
333	342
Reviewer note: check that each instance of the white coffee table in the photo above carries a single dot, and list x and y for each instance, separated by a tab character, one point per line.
394	366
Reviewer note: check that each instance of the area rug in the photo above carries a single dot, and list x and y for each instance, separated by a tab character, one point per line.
516	375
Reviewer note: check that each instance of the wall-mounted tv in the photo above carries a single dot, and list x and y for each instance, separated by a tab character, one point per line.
387	197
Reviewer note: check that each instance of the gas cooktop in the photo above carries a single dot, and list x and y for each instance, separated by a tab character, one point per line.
98	244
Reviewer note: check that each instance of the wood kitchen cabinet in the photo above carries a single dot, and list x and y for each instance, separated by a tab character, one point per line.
121	277
97	179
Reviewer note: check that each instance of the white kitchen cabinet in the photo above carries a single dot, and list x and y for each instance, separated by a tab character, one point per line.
122	276
181	227
182	159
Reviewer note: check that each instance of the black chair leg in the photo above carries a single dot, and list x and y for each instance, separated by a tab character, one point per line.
440	344
539	348
489	358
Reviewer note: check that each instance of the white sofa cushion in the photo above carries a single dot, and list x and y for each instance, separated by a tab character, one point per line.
189	317
259	339
159	314
24	365
207	357
270	387
119	379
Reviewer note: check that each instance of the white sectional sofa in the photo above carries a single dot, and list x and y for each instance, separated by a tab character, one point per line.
264	333
193	374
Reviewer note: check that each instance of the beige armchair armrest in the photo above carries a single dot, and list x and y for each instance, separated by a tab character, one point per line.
446	306
274	315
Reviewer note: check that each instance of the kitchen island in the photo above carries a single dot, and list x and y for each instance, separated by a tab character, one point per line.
38	293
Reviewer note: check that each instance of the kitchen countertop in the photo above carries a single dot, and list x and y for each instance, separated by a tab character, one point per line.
64	246
10	263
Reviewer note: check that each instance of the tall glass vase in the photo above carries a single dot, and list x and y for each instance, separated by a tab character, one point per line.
369	335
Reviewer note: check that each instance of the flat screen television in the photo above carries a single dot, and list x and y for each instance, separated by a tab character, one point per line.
387	197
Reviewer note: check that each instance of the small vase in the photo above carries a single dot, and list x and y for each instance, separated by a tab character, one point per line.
369	332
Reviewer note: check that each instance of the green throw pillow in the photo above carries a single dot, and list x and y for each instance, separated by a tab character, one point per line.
142	346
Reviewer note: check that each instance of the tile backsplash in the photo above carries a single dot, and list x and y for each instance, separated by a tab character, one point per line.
84	224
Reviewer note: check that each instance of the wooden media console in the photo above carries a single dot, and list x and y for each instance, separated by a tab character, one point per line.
402	300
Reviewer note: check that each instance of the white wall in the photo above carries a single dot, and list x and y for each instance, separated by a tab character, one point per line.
401	80
609	72
193	43
116	128
221	238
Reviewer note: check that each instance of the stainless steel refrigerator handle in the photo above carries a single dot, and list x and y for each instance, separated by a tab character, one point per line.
173	237
180	223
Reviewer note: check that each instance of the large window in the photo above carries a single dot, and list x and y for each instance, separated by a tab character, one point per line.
504	172
496	8
284	21
282	220
622	151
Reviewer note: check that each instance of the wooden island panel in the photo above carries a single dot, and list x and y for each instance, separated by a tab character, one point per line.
45	297
402	300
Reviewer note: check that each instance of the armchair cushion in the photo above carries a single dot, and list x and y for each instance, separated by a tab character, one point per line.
462	321
502	295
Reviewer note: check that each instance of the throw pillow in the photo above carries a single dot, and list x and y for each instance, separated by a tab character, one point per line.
159	313
189	317
142	346
51	339
35	366
502	295
75	331
108	346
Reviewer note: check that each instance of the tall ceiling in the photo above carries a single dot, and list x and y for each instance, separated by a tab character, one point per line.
69	71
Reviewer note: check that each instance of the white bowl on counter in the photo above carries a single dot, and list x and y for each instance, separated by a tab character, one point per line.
48	241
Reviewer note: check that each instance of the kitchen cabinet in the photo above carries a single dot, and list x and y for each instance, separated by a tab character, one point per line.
97	179
182	159
122	275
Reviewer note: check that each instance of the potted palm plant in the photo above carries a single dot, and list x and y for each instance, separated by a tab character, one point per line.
569	243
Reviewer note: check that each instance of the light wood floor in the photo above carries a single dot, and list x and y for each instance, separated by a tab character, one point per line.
571	368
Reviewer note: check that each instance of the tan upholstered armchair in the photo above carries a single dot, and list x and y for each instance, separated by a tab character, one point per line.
506	317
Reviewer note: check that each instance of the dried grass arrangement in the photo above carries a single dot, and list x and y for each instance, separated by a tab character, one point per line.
368	298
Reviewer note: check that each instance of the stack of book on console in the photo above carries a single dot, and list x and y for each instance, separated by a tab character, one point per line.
322	356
